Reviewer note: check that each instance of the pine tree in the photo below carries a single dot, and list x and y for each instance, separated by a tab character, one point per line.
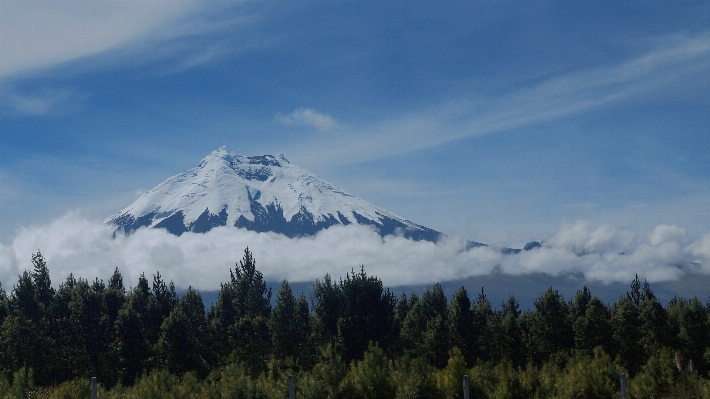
113	298
636	295
3	304
654	323
691	330
425	331
136	333
252	297
627	337
42	282
249	334
326	300
20	340
132	348
181	347
284	326
290	327
483	321
593	328
366	314
511	333
550	331
221	316
165	296
85	318
461	325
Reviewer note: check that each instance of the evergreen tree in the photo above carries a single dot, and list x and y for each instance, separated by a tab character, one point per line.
654	323
252	297
284	325
550	331
251	341
221	317
366	314
290	328
401	309
425	330
23	344
511	333
593	328
86	312
249	335
326	300
136	333
626	333
580	302
461	325
165	296
413	328
42	282
691	330
305	353
28	333
181	347
484	325
113	299
3	304
132	349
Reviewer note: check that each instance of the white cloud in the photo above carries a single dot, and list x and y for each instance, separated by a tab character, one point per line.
73	244
665	232
37	34
581	237
307	117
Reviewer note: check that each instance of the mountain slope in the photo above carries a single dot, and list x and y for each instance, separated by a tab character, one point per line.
259	193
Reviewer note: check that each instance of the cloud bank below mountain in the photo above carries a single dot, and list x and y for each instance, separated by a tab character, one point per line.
86	248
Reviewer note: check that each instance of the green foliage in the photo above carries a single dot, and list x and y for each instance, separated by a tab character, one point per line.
415	380
550	330
181	348
461	325
449	379
371	378
589	378
425	330
290	327
592	327
486	325
626	334
366	313
510	335
691	331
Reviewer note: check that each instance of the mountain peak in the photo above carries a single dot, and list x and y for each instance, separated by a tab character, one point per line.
260	193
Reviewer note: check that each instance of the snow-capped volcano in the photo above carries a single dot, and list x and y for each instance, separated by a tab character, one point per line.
259	193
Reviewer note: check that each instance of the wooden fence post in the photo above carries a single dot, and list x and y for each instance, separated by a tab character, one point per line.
291	387
465	387
93	387
622	383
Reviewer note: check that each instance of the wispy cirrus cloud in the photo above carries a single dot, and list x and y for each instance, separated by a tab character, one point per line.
50	101
674	61
38	34
308	117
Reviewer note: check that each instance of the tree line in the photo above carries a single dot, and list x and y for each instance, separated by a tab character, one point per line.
49	337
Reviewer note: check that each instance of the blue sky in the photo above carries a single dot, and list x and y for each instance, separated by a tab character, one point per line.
496	121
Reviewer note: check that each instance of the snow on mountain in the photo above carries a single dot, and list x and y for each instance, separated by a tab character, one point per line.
259	193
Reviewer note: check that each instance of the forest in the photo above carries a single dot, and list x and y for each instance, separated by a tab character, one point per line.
353	338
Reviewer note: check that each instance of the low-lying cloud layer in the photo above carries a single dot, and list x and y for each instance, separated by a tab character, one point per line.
73	244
